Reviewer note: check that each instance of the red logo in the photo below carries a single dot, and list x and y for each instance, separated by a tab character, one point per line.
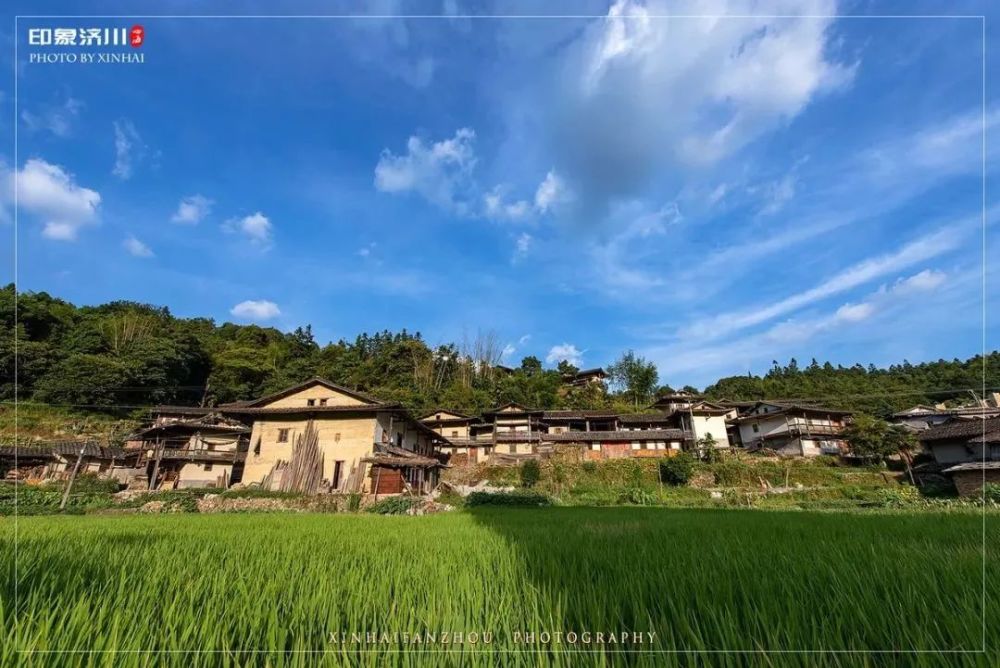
136	35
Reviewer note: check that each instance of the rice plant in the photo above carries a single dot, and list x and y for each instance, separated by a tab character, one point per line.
715	587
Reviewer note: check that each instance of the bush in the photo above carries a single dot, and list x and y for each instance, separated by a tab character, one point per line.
677	470
86	482
394	505
507	499
531	472
991	493
589	467
637	496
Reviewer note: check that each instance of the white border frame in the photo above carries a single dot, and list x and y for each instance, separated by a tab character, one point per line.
981	17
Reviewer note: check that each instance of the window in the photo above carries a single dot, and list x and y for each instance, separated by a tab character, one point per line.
256	449
755	427
322	402
283	435
208	467
454	433
310	402
399	440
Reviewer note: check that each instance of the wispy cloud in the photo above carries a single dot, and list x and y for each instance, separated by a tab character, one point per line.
55	118
192	210
919	250
129	149
137	248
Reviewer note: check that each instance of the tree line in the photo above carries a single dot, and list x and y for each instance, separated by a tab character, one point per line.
125	356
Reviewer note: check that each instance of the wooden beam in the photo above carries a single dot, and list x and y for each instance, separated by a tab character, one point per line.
72	477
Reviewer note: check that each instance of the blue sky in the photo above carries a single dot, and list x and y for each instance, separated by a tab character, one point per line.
714	193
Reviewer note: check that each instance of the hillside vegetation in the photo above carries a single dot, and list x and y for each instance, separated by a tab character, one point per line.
125	356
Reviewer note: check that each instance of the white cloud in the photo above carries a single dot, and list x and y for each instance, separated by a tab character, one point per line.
718	193
885	322
921	249
551	191
366	251
507	351
255	227
256	310
522	246
51	194
636	95
439	172
855	312
926	280
192	210
129	149
619	261
137	248
565	352
778	194
496	208
57	119
524	339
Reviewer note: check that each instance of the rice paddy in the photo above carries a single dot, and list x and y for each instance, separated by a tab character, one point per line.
299	589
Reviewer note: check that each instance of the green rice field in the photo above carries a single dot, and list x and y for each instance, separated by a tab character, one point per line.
705	587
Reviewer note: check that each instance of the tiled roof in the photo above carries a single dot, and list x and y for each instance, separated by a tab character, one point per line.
581	414
961	429
638	435
64	448
645	417
301	386
973	466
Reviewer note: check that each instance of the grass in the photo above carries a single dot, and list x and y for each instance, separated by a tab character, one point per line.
268	589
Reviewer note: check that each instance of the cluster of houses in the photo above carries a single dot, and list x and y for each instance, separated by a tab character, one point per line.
321	436
965	442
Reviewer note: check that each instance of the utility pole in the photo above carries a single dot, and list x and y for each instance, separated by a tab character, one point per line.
72	477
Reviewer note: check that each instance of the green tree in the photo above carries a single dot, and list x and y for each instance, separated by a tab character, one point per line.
633	378
530	473
869	438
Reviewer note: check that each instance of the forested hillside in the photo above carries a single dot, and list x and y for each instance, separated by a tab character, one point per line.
125	356
869	389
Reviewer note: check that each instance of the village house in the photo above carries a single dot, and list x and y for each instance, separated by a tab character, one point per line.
970	449
921	417
462	446
355	443
180	451
706	422
792	429
585	377
56	460
675	401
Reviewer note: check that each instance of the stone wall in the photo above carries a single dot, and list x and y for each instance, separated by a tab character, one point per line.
969	483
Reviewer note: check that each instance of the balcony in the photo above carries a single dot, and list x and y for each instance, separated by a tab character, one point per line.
202	455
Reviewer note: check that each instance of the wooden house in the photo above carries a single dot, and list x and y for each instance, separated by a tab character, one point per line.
463	447
793	429
200	451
